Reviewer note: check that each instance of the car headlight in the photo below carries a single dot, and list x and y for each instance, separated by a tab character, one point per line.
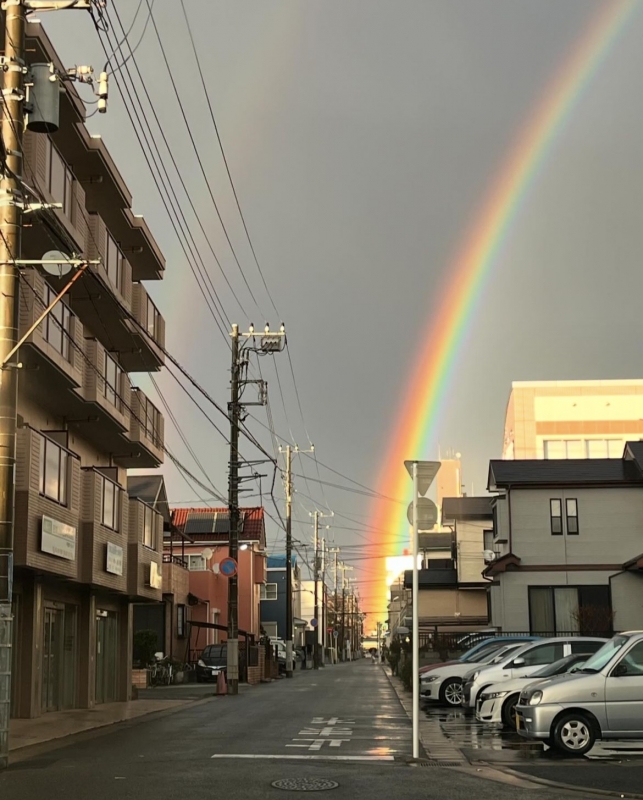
201	662
494	695
535	698
474	677
430	678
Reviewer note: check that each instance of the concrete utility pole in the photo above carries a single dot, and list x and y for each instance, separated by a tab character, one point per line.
334	551
233	511
289	603
316	579
10	249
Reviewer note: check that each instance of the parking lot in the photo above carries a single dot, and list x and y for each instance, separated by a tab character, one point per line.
484	743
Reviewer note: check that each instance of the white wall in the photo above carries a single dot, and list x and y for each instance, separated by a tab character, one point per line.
470	540
627	601
610	526
510	598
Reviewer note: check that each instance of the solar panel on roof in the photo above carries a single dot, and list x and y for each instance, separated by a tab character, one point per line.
222	522
199	523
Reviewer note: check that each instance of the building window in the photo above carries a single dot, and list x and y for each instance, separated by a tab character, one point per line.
149	519
270	628
604	448
57	324
152	319
151	419
564	448
556	517
59	177
196	563
54	465
110	503
180	621
570	609
113	261
269	591
112	384
571	508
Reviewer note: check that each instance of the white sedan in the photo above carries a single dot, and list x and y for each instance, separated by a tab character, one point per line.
497	703
444	684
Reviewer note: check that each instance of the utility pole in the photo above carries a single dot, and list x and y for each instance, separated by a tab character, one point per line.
242	343
233	510
334	551
10	249
316	579
289	601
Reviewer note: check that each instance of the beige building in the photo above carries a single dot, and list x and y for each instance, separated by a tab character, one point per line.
85	551
572	419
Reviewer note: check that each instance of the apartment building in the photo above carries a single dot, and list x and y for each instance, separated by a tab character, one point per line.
572	419
85	551
567	544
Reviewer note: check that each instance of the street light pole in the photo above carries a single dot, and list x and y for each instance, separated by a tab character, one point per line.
416	627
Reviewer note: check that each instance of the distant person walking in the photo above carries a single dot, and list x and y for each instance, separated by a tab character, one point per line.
394	655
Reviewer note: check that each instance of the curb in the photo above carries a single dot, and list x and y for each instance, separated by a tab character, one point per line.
567	786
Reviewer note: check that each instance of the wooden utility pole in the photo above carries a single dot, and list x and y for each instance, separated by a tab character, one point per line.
289	599
10	244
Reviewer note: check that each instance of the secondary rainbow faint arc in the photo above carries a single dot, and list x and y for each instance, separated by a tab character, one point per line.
414	435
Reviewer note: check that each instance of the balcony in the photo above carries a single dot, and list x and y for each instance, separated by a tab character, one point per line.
145	556
146	433
432	578
53	355
435	540
48	496
107	388
152	342
104	525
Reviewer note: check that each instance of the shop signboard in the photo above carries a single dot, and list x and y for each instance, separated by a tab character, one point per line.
58	539
114	560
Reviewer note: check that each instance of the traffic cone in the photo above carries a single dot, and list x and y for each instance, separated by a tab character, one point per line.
222	686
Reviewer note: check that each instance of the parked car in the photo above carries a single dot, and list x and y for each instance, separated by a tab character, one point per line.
525	661
445	685
497	703
481	648
212	661
604	700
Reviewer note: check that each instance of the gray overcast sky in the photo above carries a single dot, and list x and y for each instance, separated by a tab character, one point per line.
362	136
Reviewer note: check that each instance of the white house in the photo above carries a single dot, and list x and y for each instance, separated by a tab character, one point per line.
567	538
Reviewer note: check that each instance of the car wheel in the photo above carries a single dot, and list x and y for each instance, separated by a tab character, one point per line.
451	692
509	711
573	734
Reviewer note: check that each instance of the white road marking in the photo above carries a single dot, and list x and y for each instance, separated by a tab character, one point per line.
317	744
302	758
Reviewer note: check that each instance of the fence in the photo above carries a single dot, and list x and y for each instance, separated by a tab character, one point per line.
443	646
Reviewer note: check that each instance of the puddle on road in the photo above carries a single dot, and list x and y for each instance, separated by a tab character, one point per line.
467	733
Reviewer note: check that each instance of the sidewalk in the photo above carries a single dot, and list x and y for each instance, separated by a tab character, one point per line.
436	745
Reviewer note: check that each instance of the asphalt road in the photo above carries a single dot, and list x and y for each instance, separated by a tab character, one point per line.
343	724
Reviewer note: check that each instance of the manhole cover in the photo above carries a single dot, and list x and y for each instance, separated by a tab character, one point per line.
305	784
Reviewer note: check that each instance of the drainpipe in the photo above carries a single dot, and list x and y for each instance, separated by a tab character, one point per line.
511	543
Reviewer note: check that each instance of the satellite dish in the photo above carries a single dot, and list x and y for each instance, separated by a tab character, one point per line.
207	553
215	568
489	555
59	266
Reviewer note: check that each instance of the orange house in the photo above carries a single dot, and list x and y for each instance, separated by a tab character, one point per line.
201	537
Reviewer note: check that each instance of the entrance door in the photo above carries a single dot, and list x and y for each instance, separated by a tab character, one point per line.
106	656
52	658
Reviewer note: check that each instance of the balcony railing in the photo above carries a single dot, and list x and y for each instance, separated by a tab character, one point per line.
170	559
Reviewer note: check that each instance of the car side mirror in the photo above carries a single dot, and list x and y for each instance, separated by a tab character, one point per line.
518	662
620	670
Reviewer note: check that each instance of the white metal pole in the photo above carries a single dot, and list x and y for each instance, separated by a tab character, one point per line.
416	626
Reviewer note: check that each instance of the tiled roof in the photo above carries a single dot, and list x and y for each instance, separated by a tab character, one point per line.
546	472
253	523
466	508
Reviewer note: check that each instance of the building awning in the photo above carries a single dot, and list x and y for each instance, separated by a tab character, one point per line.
300	623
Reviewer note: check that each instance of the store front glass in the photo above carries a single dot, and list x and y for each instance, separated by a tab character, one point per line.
59	657
106	656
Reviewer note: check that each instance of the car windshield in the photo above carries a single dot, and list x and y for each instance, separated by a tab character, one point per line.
560	666
495	658
603	656
477	650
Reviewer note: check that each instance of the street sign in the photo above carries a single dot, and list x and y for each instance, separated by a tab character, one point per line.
336	634
427	470
427	514
228	567
314	623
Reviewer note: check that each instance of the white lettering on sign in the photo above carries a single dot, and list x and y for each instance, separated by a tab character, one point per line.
332	732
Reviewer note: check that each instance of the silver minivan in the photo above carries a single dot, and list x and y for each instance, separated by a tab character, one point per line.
603	700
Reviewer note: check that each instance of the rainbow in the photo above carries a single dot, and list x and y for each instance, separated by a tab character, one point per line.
414	435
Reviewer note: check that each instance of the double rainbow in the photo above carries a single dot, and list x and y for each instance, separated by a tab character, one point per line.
414	434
